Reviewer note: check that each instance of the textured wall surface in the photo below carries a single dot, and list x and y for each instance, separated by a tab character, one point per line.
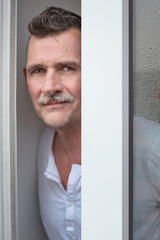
146	58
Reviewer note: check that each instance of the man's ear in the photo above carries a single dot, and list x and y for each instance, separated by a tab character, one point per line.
24	72
25	75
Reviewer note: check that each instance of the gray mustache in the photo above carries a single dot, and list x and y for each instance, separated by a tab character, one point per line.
47	98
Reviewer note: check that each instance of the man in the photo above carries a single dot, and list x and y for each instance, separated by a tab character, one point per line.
53	77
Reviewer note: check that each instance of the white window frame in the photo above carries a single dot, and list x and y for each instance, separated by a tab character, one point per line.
125	100
8	121
92	227
8	148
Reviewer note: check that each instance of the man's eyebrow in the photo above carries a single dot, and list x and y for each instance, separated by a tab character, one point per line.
68	63
30	68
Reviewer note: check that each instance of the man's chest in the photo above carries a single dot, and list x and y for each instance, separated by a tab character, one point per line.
61	209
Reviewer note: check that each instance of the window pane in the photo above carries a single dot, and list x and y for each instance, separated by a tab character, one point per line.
146	145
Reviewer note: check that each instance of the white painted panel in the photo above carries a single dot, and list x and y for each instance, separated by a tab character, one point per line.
8	145
125	124
102	120
1	122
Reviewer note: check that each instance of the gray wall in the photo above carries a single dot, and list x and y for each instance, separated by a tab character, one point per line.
29	126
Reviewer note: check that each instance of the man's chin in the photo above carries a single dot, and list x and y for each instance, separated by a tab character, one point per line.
58	120
55	123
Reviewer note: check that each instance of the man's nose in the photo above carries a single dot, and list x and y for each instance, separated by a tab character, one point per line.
52	83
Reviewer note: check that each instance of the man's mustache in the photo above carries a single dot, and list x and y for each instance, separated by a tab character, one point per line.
56	97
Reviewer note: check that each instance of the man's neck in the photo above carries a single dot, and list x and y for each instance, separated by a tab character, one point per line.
68	141
67	150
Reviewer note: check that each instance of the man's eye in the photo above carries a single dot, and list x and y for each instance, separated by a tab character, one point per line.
38	70
67	69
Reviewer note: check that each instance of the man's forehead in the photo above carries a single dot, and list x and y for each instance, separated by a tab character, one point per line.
62	44
70	35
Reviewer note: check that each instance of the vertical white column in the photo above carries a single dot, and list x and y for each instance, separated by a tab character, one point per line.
0	122
5	124
102	119
125	74
8	119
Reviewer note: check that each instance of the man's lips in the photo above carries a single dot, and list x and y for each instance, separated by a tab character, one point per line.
54	104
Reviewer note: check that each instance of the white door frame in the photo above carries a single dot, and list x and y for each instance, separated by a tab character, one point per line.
125	123
8	46
105	119
8	136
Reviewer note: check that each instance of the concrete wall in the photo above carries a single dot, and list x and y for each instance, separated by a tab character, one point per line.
29	126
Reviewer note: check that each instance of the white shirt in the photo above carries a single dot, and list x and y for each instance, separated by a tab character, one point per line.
146	181
60	209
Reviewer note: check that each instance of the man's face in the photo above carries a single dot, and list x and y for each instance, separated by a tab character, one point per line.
54	68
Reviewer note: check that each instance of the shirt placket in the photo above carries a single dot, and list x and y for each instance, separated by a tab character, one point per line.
70	212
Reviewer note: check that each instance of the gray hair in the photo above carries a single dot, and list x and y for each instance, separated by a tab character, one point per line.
54	20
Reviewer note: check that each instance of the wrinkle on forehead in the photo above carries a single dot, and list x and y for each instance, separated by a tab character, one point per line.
70	35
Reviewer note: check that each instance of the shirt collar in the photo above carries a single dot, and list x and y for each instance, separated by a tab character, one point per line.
52	172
